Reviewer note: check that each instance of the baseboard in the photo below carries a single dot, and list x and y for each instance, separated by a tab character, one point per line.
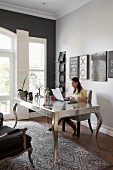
104	129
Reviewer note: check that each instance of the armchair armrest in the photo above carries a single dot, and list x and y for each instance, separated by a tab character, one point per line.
1	116
16	131
1	119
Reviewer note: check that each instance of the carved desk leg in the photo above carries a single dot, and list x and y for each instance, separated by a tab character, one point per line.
55	134
99	123
29	155
15	114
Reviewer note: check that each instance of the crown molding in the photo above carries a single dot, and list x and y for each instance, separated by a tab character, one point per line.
73	6
53	16
28	11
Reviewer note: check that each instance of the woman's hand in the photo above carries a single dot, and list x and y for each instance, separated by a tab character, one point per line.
67	98
71	98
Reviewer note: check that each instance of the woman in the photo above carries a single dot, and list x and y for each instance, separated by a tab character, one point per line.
80	95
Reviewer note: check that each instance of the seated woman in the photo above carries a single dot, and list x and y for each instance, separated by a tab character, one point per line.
80	95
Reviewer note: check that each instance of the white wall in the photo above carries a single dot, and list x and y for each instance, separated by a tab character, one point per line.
85	31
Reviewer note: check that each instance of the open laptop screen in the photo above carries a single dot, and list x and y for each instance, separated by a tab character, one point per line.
58	95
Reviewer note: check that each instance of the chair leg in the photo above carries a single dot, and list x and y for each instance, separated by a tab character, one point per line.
78	128
63	125
89	122
47	119
59	121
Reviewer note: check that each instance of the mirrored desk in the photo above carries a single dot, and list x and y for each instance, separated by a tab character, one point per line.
59	110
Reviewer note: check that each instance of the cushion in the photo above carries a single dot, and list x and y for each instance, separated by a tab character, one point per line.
12	142
12	145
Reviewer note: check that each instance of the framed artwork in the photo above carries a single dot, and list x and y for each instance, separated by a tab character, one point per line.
62	84
84	67
99	66
110	65
74	67
62	56
62	67
61	78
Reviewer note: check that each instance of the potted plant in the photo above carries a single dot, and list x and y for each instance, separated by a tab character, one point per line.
23	93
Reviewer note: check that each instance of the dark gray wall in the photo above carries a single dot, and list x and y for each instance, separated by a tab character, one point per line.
37	27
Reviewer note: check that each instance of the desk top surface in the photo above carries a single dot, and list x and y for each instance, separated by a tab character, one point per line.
54	105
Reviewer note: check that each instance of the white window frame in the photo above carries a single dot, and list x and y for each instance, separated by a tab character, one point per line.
11	55
43	41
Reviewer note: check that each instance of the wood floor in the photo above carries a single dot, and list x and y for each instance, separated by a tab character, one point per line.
86	140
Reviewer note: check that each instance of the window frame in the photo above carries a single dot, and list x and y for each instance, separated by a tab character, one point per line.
11	55
43	41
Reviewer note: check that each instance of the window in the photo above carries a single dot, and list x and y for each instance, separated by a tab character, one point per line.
30	57
4	76
37	63
6	71
5	42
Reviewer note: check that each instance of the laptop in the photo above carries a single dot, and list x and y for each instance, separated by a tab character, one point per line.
58	95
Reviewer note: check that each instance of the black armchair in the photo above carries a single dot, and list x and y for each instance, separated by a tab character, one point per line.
13	142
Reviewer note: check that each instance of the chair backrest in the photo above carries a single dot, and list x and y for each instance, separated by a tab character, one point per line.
89	96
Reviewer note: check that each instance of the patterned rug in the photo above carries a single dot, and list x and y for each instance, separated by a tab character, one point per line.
71	156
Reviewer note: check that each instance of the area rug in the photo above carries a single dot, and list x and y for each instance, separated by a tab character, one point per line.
71	156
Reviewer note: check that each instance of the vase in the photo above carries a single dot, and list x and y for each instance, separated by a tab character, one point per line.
22	95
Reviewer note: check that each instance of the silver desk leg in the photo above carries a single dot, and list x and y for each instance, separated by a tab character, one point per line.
55	134
99	123
15	114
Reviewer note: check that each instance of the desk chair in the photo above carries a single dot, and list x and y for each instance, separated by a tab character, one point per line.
81	117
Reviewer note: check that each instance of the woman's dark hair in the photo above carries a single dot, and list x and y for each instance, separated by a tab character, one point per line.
79	87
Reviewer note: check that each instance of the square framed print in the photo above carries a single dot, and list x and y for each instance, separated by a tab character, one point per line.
61	78
110	65
62	67
99	66
74	67
62	84
62	56
84	67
